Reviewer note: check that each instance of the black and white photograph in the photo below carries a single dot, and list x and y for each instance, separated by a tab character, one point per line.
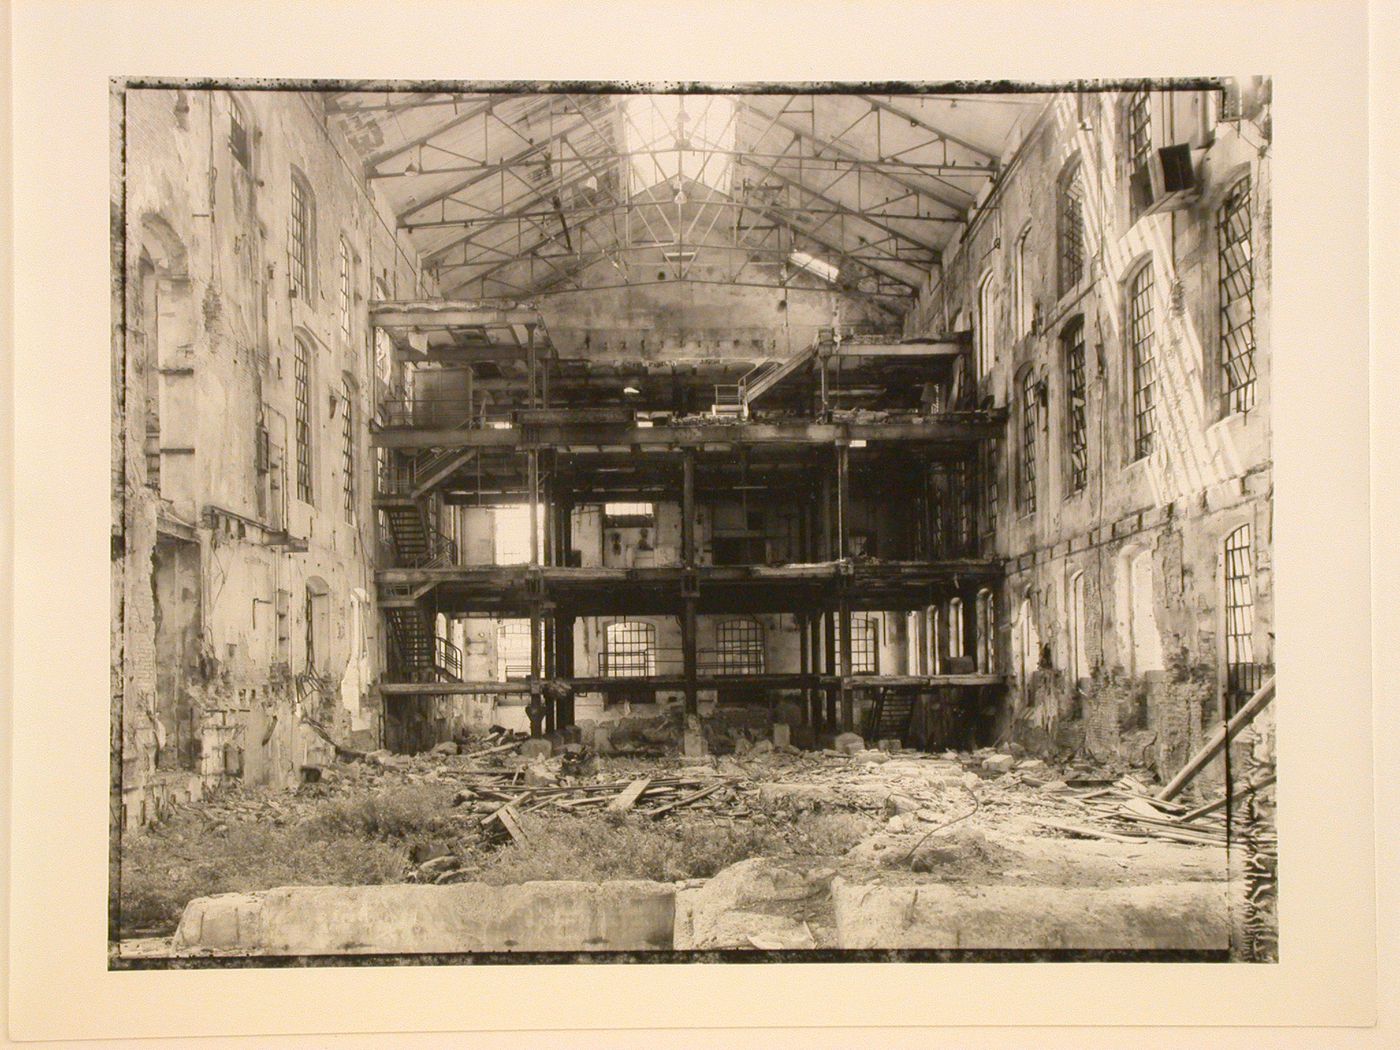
601	520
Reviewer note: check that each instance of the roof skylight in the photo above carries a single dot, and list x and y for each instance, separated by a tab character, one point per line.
670	135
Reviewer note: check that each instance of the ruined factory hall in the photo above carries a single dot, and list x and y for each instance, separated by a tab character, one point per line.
563	519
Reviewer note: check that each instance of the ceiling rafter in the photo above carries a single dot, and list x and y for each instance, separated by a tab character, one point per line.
845	210
373	161
932	129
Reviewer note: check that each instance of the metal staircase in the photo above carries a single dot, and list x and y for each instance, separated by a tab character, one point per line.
889	718
420	655
763	377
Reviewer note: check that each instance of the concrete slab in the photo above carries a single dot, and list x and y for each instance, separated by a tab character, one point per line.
1184	916
406	919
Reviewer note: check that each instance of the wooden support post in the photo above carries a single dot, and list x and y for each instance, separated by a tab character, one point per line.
843	484
564	663
551	713
824	516
804	658
847	701
829	640
537	709
1219	740
822	360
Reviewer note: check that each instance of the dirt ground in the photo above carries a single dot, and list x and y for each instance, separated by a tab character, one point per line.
869	817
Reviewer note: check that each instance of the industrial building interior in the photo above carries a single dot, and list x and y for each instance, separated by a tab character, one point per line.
936	415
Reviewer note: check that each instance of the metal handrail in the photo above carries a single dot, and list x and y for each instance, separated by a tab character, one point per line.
669	660
447	658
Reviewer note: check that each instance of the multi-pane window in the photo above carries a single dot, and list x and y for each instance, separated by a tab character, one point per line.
739	647
1144	365
991	499
301	225
621	515
1076	405
240	143
1029	391
865	636
631	649
513	649
1239	616
344	295
1139	130
347	451
1236	299
1071	201
302	392
986	321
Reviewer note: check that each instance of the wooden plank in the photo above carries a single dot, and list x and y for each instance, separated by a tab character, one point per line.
511	822
1211	807
686	799
628	798
1091	833
1219	739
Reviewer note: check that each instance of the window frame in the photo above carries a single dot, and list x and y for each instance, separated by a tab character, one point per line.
1029	442
1235	397
304	417
301	238
1074	354
986	325
240	135
1070	188
1237	577
638	655
739	646
1140	330
349	485
345	292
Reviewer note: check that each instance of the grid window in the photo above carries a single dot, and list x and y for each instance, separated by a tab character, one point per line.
302	381
865	635
1239	616
239	141
991	464
299	237
1076	406
1236	299
1140	339
1028	428
344	295
619	515
513	649
739	647
631	649
347	451
1071	200
1139	130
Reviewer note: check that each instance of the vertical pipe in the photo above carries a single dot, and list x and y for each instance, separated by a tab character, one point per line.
533	494
843	484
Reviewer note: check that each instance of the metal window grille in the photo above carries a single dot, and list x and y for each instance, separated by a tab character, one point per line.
302	381
1242	673
991	500
864	645
1140	337
513	649
1139	130
300	239
1071	229
347	451
345	288
1076	403
631	649
1236	299
739	647
1028	427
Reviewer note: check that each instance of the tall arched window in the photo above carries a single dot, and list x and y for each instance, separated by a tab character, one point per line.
301	237
301	381
1240	667
1142	359
1233	230
513	649
956	639
986	326
1030	420
1078	650
986	632
1076	404
1137	616
1137	135
1071	221
935	657
739	647
630	649
1020	293
1027	638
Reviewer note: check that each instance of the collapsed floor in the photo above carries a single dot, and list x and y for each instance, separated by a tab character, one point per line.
769	847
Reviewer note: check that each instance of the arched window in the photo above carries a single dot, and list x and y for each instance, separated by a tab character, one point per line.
1027	638
986	632
1137	616
301	237
348	489
1020	294
1233	230
1240	667
1142	359
956	639
316	613
739	647
301	381
630	649
1078	651
935	658
1030	419
1137	140
513	649
1076	404
1070	198
986	326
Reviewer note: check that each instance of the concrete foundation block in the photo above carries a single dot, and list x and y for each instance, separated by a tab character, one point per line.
408	919
1184	916
537	747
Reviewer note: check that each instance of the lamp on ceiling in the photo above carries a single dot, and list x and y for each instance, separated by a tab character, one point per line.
630	390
